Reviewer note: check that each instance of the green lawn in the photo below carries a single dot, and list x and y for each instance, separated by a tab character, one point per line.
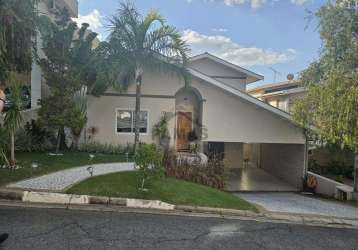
125	184
48	164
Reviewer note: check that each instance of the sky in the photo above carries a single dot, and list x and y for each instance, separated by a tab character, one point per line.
260	35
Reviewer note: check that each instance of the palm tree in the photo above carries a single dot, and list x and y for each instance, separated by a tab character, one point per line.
79	116
144	43
13	116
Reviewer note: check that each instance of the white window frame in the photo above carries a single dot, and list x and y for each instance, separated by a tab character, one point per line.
132	122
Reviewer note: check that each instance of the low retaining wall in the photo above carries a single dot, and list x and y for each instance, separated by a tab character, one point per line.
325	185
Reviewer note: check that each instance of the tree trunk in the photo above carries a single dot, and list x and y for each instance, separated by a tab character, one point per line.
137	109
58	141
355	173
75	142
12	163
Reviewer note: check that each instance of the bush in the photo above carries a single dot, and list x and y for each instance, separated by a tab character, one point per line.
149	161
96	147
341	170
210	174
335	168
34	138
4	138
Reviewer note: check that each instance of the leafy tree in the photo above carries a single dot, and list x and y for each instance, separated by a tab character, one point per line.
144	44
331	104
149	161
17	27
13	117
67	69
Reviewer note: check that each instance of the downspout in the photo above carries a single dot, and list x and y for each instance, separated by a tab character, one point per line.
305	169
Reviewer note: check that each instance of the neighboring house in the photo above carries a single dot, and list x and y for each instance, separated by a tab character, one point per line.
281	95
36	88
39	89
245	131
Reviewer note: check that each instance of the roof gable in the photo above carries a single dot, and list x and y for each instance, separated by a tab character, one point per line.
253	77
242	95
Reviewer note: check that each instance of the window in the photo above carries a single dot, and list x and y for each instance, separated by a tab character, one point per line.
126	121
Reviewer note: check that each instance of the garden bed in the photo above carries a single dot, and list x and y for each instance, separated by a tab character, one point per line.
178	192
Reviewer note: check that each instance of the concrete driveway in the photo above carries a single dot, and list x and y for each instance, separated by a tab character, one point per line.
254	179
297	203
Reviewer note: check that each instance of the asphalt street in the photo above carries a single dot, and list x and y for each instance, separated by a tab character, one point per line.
40	228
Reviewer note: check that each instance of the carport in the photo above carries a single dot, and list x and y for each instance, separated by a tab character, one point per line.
261	166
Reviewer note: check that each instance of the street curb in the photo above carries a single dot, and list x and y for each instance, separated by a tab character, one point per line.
155	205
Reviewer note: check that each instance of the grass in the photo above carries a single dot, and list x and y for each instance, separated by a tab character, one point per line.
48	164
125	184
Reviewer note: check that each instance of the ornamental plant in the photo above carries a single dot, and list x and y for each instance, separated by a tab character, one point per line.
149	162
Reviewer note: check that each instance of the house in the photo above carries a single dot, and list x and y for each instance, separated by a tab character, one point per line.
281	95
263	150
257	141
39	89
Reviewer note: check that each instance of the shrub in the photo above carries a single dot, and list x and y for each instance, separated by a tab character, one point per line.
340	170
161	131
210	174
149	161
96	147
4	138
335	168
33	137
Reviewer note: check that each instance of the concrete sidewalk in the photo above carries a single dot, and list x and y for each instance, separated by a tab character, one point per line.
98	203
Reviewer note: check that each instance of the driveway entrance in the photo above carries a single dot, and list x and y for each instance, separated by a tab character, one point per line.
254	179
296	203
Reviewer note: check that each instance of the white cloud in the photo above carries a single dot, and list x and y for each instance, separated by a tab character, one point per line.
227	49
221	30
253	3
94	19
298	2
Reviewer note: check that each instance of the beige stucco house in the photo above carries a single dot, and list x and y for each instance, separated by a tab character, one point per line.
281	95
248	133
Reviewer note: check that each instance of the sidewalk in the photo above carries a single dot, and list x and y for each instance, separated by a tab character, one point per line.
85	202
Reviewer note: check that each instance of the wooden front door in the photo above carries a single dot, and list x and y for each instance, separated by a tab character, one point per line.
184	127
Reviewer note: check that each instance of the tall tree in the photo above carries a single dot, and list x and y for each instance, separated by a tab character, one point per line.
17	28
13	116
145	44
331	104
67	69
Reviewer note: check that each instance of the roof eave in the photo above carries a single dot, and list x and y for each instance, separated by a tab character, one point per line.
258	77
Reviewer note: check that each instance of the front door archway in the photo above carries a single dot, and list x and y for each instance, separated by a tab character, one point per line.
188	108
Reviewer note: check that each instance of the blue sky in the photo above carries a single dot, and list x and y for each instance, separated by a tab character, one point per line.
255	34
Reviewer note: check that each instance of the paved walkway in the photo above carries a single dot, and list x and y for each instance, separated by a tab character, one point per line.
255	179
60	180
296	203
